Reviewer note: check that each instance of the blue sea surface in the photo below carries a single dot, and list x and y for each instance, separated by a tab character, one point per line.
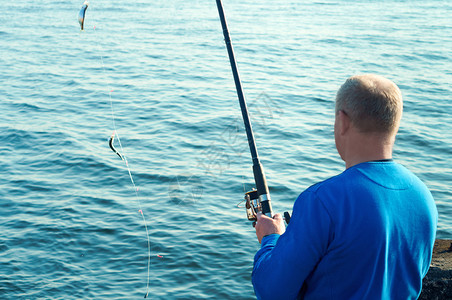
157	72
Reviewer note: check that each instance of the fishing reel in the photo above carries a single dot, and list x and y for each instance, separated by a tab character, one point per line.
253	206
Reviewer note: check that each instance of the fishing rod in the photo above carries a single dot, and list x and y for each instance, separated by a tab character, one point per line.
257	200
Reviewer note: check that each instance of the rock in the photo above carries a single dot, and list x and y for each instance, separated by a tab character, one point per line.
437	285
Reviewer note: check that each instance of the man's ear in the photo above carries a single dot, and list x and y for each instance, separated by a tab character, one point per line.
344	121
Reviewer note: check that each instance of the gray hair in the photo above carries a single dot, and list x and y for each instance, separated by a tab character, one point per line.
373	103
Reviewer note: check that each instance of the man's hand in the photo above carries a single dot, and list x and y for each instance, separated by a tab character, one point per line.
266	226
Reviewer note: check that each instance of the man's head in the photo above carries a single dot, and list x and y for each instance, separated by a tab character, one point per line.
373	103
368	113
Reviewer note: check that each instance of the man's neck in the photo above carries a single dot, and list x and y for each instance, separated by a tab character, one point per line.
349	164
368	147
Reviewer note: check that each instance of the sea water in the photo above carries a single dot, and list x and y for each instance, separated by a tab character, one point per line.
70	226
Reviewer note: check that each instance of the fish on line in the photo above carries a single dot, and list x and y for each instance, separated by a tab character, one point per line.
112	138
81	14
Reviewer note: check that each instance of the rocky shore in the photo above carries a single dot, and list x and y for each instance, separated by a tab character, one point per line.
437	285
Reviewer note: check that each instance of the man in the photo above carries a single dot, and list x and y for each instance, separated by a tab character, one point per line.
367	233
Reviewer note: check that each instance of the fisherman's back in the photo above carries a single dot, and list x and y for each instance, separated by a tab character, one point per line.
384	223
367	233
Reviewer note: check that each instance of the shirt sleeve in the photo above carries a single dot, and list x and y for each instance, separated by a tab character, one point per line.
284	262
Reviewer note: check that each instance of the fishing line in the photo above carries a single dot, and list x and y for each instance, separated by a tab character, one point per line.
81	19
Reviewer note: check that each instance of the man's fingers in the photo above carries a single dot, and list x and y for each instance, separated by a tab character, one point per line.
278	217
258	216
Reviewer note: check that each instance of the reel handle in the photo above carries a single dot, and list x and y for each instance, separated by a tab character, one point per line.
287	217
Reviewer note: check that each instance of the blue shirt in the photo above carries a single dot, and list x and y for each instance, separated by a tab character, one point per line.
367	233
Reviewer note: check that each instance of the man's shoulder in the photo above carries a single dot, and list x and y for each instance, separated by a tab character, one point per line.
388	174
328	183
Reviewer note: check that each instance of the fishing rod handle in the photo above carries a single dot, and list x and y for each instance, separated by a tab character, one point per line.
262	190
